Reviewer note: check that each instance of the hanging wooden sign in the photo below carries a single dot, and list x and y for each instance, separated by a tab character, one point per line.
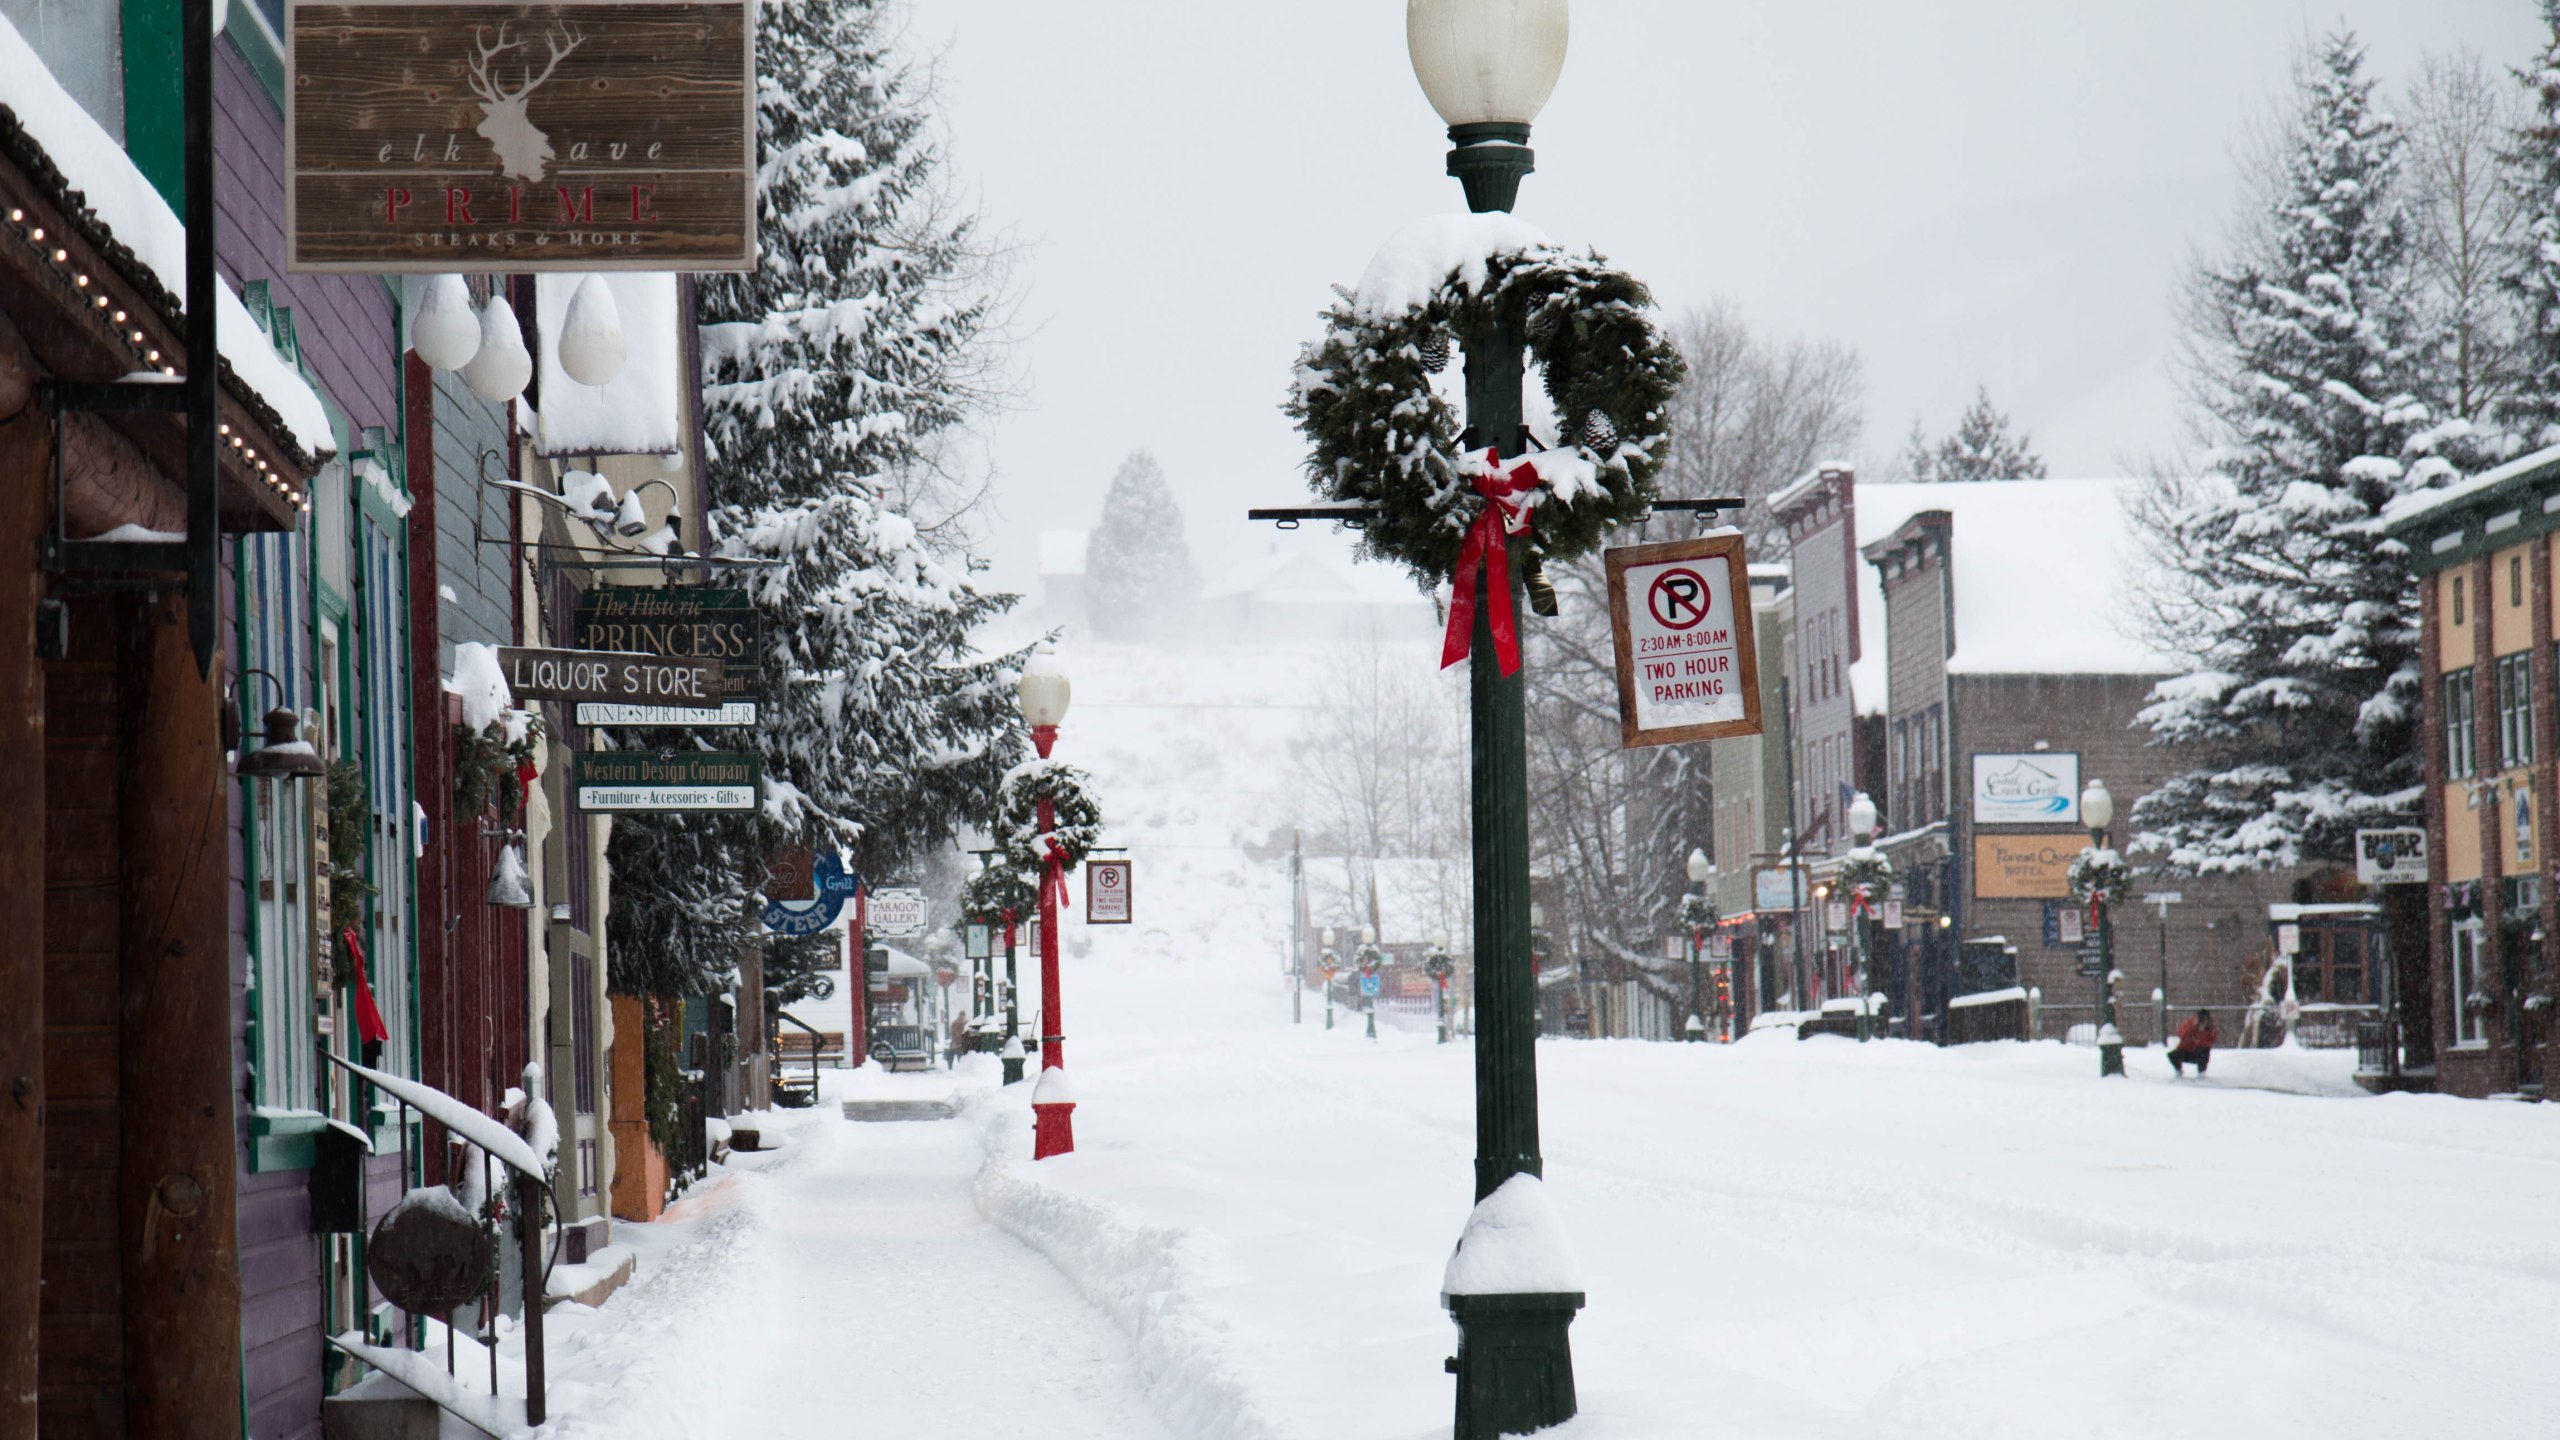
679	622
433	136
610	676
627	780
1687	666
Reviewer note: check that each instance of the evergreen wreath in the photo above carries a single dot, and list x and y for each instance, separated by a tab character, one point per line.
1079	815
2095	871
1381	436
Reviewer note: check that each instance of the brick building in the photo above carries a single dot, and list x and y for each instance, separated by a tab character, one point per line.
2482	551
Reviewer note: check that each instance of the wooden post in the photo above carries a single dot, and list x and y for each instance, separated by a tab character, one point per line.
529	1203
177	1202
25	448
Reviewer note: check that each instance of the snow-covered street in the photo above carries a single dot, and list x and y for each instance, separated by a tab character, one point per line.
1781	1238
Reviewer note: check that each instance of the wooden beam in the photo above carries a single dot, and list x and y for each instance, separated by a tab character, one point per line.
177	1199
25	465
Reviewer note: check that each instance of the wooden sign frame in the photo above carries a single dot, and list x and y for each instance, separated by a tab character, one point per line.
1128	896
1722	549
428	151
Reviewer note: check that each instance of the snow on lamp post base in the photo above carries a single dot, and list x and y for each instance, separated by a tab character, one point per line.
1053	1110
1512	1287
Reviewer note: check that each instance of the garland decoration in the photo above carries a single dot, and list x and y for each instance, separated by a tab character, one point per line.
1079	816
2097	874
1381	436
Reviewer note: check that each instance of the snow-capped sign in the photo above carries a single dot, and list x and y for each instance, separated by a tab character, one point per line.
2391	857
2038	788
1106	892
1687	667
896	910
606	781
431	136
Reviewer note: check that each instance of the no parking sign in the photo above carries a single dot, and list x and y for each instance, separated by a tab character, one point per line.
1106	892
1687	667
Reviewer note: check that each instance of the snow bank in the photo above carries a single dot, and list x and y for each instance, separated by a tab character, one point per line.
127	208
1140	1276
1422	256
1514	1244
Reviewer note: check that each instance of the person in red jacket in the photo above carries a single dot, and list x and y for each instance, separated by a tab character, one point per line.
2195	1044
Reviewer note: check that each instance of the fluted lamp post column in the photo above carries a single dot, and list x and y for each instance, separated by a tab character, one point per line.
2098	811
1698	913
1488	67
1044	692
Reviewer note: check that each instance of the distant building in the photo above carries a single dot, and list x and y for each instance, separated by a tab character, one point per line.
1756	908
1296	591
2004	673
1062	588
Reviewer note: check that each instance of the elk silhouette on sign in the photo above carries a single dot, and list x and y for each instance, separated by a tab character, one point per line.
522	149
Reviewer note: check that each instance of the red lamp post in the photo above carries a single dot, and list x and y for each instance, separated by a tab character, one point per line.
1043	693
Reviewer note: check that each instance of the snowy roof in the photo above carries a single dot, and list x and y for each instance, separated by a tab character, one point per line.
641	410
2409	511
2043	572
125	213
1062	551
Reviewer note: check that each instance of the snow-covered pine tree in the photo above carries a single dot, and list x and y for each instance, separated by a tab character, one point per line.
1137	566
2532	273
2300	621
829	372
1981	448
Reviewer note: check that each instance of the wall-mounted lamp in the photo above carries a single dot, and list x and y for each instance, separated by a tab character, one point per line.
284	755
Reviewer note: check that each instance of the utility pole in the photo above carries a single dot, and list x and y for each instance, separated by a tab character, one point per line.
2160	901
1795	857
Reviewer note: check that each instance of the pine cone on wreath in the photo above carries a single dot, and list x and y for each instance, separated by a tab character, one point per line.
1599	432
1435	351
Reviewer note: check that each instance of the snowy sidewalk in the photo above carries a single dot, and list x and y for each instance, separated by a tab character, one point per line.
845	1285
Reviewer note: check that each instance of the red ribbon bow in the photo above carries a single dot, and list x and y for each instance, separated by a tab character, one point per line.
1056	870
1509	497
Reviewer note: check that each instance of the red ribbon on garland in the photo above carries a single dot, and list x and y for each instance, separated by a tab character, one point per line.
369	1026
1054	873
1509	496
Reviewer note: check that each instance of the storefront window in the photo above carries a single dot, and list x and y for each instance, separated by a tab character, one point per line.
2470	982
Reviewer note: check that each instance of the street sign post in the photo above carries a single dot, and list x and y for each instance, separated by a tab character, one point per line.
1687	665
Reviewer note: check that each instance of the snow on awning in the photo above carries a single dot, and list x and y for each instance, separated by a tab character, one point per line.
641	411
124	212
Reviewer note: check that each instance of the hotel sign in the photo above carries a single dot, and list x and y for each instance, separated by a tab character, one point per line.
433	136
2025	867
607	781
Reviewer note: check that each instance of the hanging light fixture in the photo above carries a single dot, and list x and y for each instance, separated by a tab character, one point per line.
284	754
592	348
444	332
510	884
499	371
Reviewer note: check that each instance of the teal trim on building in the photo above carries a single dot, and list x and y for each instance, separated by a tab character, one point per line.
2491	511
155	122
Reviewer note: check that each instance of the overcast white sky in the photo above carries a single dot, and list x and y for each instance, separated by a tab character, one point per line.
1993	190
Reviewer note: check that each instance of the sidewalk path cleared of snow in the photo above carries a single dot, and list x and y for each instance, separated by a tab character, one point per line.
843	1286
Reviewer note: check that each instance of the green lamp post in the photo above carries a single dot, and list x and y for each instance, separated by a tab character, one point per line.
1863	876
1698	913
1488	67
1368	959
2098	811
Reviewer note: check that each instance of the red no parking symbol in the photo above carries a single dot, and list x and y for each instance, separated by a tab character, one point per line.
1677	598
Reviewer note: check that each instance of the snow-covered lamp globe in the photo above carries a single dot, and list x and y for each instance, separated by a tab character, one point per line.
1862	818
1043	692
1699	866
444	332
592	348
498	373
1488	67
2097	809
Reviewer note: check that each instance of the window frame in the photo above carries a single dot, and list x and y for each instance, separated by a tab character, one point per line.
2461	733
